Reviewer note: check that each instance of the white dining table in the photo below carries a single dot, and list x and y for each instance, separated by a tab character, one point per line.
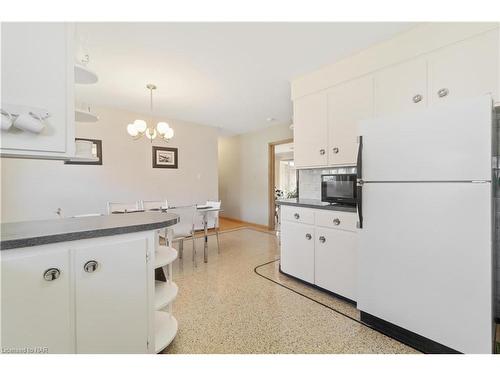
203	210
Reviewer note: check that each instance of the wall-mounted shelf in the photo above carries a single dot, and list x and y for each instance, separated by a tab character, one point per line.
85	116
84	75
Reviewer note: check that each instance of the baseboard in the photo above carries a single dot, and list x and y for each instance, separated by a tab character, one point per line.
261	226
407	337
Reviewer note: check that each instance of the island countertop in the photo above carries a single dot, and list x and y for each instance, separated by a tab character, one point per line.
42	232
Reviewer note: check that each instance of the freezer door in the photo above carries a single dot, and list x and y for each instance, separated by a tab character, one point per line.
425	260
447	143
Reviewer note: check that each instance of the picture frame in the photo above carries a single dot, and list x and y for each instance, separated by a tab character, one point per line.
165	157
97	146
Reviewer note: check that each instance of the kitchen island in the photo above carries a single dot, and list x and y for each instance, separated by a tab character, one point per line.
87	285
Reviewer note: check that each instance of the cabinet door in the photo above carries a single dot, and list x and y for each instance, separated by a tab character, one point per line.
297	250
347	105
336	261
36	312
465	69
401	88
310	131
37	72
112	301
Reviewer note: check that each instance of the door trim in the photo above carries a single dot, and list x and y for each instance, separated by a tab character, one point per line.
271	179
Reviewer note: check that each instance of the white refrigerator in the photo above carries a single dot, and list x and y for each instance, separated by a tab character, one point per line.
425	262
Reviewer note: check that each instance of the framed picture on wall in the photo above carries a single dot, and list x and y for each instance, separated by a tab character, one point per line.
165	157
96	152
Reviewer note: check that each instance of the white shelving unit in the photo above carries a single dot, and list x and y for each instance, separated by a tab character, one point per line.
165	324
165	330
164	255
165	293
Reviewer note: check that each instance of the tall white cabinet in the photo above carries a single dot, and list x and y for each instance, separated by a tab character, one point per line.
37	69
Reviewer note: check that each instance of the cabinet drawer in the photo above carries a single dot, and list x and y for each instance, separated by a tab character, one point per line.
297	214
337	219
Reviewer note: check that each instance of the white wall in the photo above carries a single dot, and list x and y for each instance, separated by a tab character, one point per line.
243	173
34	189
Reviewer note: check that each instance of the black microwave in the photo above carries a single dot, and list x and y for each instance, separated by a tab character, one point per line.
338	188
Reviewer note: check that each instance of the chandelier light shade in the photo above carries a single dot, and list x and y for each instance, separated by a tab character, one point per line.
140	128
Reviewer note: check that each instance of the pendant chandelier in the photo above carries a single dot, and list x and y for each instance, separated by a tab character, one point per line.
140	128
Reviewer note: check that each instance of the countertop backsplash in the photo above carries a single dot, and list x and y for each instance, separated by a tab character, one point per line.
310	180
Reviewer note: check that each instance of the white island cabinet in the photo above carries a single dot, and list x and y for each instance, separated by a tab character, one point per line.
97	294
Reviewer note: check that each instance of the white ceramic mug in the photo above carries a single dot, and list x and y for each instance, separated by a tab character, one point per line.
29	122
6	120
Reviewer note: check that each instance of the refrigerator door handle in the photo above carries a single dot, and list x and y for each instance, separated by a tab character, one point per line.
359	183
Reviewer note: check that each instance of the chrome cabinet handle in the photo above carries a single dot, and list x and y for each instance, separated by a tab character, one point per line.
52	274
296	215
90	266
322	239
335	150
443	92
322	151
417	98
336	221
308	236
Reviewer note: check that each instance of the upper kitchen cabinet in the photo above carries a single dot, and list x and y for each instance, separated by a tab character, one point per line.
37	90
400	88
310	131
348	103
465	69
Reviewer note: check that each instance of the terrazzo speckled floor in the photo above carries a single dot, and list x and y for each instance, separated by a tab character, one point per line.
225	307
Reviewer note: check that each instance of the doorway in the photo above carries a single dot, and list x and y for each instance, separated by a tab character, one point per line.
282	176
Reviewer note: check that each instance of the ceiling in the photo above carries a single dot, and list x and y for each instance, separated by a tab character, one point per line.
234	76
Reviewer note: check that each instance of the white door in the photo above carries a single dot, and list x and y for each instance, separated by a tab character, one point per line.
336	261
445	143
297	250
347	105
401	88
425	260
36	312
37	71
310	131
112	301
465	69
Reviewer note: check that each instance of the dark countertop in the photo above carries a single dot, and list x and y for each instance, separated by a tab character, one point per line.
42	232
315	203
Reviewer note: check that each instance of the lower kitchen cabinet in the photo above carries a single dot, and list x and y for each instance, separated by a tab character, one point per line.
111	298
297	250
323	252
335	263
36	307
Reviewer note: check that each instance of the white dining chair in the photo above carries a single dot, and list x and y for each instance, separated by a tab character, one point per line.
184	229
213	220
154	205
120	207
